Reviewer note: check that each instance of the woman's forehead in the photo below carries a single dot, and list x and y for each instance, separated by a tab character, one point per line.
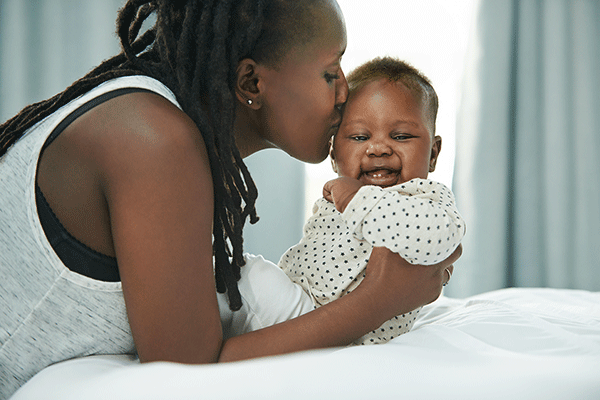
328	45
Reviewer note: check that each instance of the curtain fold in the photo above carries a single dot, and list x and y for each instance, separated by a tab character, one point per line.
45	45
527	176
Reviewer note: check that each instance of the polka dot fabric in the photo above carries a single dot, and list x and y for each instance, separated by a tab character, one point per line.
417	219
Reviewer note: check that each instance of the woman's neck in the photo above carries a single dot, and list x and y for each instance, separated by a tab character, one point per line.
248	136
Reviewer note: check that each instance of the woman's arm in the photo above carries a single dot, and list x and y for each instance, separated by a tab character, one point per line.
159	191
391	287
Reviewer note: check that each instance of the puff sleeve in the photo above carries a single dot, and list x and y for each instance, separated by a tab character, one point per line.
417	219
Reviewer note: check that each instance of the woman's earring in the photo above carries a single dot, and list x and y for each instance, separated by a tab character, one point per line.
249	101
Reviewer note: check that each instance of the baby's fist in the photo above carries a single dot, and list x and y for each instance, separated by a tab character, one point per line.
340	191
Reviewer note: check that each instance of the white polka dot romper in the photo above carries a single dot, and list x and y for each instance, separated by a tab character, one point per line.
417	219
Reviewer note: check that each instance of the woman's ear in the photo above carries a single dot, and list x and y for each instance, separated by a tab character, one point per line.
436	147
246	85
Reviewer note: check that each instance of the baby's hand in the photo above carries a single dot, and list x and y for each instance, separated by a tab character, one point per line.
340	191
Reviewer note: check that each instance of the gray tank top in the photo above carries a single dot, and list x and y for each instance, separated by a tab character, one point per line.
47	312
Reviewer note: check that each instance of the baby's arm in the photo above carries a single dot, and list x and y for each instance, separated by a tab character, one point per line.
417	219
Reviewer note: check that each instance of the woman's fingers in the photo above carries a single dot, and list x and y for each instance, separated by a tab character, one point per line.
454	256
446	267
399	286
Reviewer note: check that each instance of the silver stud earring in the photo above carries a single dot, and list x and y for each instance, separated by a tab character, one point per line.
249	101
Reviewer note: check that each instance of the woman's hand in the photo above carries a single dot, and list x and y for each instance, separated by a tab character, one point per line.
392	287
399	287
340	191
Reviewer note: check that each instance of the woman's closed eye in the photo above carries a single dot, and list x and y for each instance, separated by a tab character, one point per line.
329	78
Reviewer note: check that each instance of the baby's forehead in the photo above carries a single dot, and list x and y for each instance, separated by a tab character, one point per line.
381	92
379	86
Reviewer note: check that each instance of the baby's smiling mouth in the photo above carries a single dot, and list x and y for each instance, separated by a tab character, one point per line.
380	177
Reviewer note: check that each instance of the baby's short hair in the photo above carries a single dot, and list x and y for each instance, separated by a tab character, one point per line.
396	70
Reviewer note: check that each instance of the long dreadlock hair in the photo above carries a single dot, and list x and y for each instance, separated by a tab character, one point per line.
194	48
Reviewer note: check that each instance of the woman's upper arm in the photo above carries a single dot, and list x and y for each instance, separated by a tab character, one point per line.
159	192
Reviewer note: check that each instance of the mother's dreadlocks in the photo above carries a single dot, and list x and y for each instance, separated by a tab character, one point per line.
194	48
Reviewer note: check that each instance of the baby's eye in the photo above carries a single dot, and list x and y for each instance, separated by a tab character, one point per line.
401	136
359	138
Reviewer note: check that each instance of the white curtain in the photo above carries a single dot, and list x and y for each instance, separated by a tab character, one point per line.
45	45
527	176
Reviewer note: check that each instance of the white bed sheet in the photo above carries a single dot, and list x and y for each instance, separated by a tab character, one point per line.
506	344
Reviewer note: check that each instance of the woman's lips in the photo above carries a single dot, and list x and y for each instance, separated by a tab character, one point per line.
380	177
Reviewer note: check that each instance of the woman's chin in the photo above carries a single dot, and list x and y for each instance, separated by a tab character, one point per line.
312	157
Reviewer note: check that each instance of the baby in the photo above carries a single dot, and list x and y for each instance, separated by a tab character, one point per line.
383	152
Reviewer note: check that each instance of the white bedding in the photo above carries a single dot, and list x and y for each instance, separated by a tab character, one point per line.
506	344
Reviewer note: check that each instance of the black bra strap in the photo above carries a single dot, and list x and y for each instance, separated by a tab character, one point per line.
88	106
74	254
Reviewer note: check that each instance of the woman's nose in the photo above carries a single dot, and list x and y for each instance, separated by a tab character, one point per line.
378	148
341	90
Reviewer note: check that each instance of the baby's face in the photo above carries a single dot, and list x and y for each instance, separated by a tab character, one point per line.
383	139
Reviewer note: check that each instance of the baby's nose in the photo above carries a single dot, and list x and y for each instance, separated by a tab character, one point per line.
378	149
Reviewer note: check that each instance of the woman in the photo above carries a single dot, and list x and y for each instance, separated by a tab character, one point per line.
112	216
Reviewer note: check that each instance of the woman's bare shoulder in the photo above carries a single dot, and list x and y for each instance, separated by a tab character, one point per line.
140	124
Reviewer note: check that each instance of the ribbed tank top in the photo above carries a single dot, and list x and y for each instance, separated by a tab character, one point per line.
47	312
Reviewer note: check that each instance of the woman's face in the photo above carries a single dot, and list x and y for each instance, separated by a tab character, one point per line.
302	97
384	138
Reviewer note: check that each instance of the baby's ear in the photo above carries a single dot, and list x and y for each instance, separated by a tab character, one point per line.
332	156
436	147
